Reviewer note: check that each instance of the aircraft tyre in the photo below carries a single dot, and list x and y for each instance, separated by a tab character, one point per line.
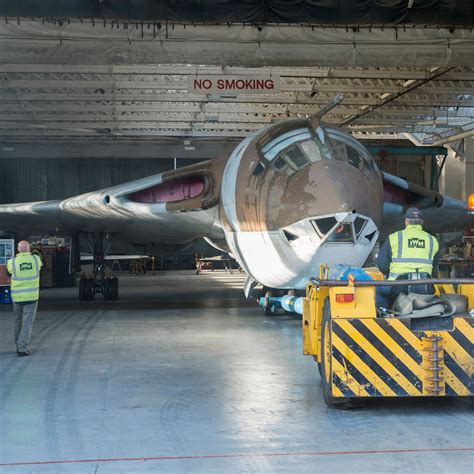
114	289
89	289
82	289
268	308
107	289
325	367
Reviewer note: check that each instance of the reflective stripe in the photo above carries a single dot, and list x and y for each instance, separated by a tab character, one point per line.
13	267
393	275
412	260
400	245
26	290
25	278
431	248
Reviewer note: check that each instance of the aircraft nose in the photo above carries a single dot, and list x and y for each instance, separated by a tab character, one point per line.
328	188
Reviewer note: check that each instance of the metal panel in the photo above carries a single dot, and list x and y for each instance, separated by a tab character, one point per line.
33	180
410	170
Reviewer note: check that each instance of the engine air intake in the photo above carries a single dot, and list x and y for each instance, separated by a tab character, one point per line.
171	191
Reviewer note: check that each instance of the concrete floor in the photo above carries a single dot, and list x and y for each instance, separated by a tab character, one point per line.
183	375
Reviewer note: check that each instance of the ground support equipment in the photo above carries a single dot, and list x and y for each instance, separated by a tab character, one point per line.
361	355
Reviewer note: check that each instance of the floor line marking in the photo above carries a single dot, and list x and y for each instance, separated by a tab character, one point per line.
236	455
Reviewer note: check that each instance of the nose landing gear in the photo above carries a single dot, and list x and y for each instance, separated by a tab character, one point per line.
98	283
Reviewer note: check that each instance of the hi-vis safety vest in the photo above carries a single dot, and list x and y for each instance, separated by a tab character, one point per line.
25	271
413	250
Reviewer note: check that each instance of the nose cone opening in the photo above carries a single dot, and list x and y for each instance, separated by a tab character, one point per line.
345	228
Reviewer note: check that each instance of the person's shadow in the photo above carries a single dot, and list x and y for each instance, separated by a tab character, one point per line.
7	354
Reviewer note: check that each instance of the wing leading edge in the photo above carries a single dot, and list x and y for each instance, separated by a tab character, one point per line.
174	207
440	213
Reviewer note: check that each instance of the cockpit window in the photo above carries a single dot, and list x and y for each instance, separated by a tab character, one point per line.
300	154
280	164
342	149
258	170
311	150
338	150
296	149
354	158
297	157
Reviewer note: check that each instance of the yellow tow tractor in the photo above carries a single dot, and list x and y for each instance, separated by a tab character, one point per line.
361	355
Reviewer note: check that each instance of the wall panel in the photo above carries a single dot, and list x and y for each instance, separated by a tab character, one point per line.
23	180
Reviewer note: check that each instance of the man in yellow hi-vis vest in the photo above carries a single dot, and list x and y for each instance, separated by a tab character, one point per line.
409	253
24	269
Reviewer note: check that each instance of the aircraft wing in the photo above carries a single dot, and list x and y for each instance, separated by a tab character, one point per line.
90	258
439	212
169	208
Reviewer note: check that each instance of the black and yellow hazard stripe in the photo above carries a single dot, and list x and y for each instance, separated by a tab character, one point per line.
383	357
459	357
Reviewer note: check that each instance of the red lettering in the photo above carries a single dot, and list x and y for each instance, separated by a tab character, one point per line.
202	84
269	84
235	84
230	83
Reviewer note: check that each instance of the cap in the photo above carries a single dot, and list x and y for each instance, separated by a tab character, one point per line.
414	213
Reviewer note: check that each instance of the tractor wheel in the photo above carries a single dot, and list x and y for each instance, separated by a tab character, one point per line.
82	289
107	288
114	289
89	289
325	369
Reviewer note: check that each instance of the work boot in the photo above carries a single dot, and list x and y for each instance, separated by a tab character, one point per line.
23	354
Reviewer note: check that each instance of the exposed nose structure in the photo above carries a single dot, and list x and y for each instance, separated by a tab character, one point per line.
301	198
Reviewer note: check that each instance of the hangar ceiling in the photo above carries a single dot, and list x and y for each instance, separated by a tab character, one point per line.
110	81
77	101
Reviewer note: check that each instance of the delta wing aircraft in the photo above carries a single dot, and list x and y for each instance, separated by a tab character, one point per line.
290	197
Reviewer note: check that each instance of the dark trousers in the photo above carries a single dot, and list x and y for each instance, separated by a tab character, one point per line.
384	296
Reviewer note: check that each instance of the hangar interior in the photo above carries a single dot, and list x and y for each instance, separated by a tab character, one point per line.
182	373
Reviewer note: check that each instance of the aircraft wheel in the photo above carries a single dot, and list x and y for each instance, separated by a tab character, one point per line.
89	289
107	289
82	289
114	289
268	308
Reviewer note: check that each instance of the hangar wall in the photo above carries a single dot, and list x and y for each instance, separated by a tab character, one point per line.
31	179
